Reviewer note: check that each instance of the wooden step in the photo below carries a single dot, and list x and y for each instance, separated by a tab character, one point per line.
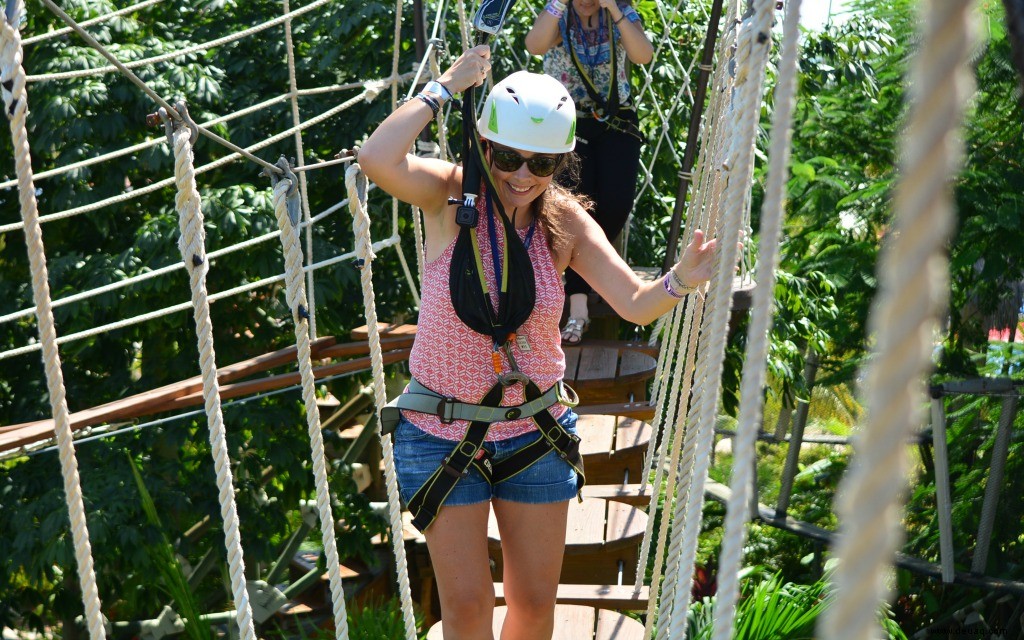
573	622
603	371
640	410
599	596
601	546
613	447
626	493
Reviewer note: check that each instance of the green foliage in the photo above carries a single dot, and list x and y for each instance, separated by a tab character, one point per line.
174	580
79	119
771	608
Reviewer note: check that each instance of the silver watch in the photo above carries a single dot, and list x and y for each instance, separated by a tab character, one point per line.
436	88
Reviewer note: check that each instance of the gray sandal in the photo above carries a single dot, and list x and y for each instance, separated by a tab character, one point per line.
574	329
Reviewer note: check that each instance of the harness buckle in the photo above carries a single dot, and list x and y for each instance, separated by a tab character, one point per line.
512	377
446	410
452	471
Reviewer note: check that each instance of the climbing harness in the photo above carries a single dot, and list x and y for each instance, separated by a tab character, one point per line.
426	503
606	109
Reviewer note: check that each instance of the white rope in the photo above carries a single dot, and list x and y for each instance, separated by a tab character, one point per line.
12	78
752	54
913	290
120	324
153	142
193	251
205	46
675	428
702	211
755	361
87	23
300	162
355	181
176	266
369	93
297	304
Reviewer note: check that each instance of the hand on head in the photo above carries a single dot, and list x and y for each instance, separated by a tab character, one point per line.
469	70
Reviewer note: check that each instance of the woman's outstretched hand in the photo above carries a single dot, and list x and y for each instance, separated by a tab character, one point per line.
469	70
697	264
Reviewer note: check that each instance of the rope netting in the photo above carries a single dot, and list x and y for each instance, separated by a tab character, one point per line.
687	385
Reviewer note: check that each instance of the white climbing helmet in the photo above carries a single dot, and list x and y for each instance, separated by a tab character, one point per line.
530	112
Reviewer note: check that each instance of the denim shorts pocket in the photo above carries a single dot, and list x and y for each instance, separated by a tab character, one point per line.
408	432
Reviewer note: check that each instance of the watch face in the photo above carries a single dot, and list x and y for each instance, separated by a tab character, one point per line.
437	89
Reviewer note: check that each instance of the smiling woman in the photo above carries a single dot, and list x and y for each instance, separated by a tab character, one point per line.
486	419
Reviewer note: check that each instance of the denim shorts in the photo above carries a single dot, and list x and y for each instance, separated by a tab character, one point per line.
418	455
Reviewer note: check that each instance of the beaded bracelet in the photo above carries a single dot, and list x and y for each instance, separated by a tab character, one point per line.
669	290
556	8
430	102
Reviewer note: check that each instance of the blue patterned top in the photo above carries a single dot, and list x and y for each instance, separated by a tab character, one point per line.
593	49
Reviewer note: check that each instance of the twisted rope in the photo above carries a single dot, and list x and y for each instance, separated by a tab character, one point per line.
148	275
296	298
196	48
300	162
12	80
153	142
912	273
753	46
356	184
192	245
703	208
371	90
756	356
220	295
56	33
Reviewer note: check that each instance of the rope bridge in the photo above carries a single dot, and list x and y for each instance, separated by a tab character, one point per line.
688	379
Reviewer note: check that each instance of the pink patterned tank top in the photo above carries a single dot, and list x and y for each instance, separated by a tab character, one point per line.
451	359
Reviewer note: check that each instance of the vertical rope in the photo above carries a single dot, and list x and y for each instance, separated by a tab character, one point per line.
12	78
756	356
754	43
192	244
703	209
296	298
300	161
913	291
355	181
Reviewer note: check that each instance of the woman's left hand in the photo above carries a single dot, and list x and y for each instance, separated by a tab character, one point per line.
613	6
696	266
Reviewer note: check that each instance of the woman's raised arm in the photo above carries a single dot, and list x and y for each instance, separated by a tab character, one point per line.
385	157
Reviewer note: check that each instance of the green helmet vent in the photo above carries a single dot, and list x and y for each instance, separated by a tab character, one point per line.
492	122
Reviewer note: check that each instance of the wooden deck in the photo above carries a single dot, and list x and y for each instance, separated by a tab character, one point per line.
574	623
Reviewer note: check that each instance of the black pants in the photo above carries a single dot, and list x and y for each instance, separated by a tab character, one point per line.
610	161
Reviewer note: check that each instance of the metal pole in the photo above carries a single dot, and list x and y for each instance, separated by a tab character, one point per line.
690	153
796	437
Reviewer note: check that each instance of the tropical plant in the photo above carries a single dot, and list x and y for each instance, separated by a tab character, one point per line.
772	609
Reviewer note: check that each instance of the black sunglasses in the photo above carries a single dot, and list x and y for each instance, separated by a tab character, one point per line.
509	161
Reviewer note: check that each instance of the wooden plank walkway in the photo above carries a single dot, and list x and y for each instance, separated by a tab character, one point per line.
188	393
574	623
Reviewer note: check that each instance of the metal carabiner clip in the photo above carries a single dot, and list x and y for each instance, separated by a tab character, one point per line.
515	375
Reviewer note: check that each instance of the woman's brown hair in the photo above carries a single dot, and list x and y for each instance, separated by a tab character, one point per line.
558	202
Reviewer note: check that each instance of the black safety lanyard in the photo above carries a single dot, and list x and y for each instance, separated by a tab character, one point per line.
609	105
500	274
501	271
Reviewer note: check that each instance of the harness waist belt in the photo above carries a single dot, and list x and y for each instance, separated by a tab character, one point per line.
421	399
